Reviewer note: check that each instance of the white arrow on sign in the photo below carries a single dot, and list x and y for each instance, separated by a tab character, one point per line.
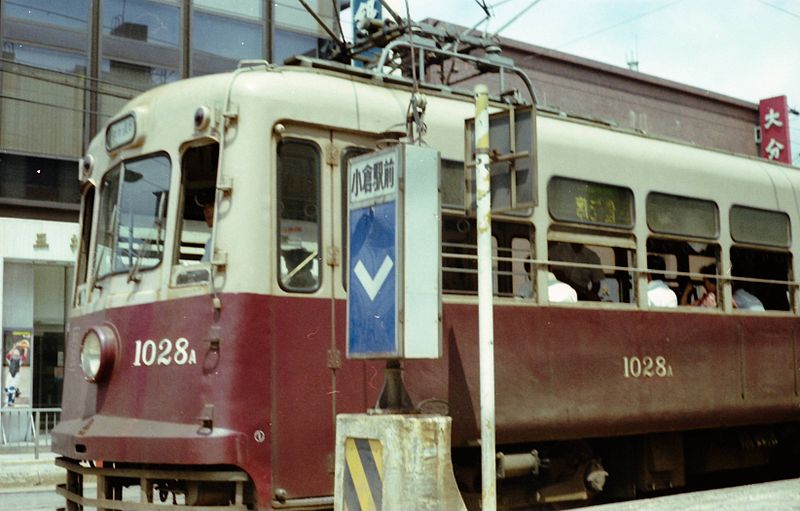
373	285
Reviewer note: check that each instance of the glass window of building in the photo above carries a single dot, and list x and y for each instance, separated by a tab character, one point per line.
223	33
288	44
73	14
28	179
44	51
292	15
140	49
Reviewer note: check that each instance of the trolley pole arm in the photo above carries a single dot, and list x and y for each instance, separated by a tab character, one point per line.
485	297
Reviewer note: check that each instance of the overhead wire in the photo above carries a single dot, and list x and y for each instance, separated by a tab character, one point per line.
790	13
517	16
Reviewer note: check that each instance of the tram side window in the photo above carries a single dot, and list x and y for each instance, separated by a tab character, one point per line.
592	250
131	230
597	273
696	258
691	269
460	255
198	193
298	216
762	270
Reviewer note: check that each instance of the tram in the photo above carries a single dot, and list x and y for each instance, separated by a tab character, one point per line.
205	364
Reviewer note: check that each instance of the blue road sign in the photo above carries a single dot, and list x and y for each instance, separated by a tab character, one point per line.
392	312
373	281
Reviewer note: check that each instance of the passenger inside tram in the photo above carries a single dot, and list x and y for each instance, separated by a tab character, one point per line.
557	291
708	295
584	279
743	299
763	274
659	293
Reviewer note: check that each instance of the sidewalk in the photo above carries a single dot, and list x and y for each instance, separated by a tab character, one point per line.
22	471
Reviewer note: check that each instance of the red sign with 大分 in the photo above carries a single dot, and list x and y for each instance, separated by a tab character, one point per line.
774	119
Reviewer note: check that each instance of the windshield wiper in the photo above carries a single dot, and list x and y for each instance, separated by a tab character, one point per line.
133	274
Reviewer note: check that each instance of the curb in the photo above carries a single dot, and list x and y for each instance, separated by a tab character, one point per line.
16	475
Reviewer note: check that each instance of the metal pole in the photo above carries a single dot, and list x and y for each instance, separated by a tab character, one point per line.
485	292
36	435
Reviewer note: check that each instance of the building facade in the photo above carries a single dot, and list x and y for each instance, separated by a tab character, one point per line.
66	67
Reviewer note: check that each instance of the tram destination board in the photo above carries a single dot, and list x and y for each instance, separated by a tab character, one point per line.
393	302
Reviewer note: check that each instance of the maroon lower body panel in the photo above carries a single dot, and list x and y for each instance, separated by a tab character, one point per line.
565	373
261	382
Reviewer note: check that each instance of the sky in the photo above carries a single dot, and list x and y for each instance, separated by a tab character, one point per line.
746	49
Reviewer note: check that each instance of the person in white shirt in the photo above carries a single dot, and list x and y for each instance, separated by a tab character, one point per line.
585	281
557	291
744	300
658	292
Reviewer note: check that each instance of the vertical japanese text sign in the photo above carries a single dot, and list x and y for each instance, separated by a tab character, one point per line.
774	119
393	304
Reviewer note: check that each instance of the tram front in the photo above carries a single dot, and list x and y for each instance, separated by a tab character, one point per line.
155	385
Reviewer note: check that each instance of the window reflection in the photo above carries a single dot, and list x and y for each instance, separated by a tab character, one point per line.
131	228
137	76
219	42
288	44
299	219
44	57
244	8
64	13
142	20
38	179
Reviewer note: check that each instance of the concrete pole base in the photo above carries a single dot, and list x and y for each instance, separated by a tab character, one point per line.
394	462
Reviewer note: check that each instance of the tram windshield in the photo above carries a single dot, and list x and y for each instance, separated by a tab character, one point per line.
133	202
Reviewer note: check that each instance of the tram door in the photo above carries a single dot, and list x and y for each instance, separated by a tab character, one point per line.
312	380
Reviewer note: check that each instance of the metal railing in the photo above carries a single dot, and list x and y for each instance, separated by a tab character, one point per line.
25	429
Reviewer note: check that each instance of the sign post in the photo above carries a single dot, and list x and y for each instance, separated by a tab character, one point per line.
485	305
388	460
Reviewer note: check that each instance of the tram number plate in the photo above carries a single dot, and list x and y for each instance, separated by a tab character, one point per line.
646	367
163	353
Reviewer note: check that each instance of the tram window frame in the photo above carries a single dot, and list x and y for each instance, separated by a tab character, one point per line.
459	247
114	216
199	167
678	209
756	280
689	257
284	256
556	194
605	246
740	233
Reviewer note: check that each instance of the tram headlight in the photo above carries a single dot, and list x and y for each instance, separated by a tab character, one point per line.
98	350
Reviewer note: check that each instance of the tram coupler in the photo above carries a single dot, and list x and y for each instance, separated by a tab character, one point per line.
394	397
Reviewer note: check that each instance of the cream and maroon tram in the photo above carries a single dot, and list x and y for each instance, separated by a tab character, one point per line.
205	364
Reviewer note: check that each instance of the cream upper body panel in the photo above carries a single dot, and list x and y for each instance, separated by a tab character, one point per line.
257	101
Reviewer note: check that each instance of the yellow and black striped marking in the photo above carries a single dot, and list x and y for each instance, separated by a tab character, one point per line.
363	475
